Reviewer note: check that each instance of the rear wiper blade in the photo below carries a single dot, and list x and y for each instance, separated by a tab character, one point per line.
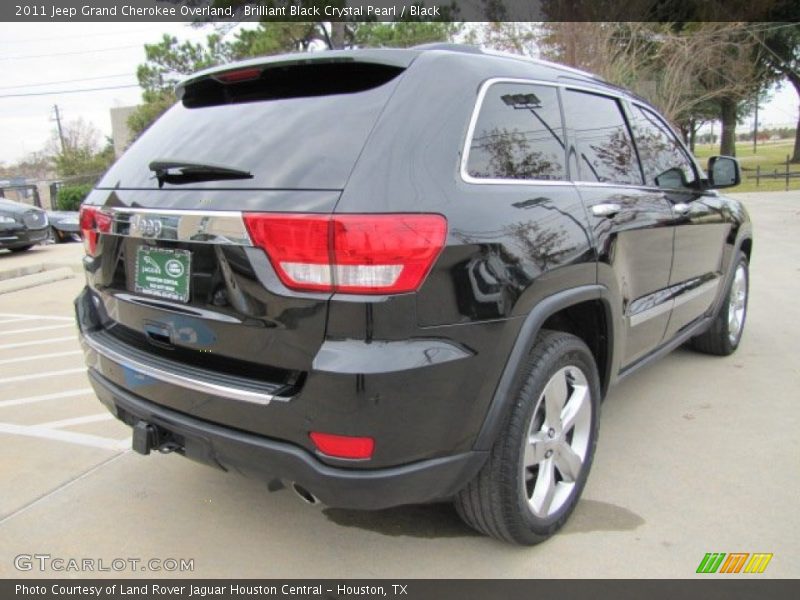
179	172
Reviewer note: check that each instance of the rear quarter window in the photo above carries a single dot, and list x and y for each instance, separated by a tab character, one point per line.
518	134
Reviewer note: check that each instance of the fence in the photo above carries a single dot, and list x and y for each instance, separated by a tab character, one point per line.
786	174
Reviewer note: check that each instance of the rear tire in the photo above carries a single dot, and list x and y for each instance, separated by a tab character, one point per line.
725	333
538	466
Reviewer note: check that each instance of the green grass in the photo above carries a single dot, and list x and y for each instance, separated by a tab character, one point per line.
770	156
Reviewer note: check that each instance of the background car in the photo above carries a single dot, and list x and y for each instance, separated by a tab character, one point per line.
63	226
22	226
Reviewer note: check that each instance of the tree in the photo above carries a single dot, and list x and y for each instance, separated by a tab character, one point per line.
82	155
781	56
685	69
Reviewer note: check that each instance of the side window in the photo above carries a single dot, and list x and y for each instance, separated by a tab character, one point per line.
663	160
602	140
518	134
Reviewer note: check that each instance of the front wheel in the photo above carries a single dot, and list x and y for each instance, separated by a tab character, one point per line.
538	466
723	336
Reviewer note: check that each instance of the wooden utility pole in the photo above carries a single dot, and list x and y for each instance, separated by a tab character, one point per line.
60	131
755	128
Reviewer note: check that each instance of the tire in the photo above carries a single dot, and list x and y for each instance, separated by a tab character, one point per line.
507	499
722	338
21	248
56	236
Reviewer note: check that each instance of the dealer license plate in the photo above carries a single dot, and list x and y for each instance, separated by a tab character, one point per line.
163	272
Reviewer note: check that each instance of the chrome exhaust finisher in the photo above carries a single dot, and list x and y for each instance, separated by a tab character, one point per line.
305	495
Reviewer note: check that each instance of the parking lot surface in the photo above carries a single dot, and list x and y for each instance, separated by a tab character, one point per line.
696	454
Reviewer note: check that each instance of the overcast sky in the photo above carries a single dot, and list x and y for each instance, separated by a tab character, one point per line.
37	58
81	55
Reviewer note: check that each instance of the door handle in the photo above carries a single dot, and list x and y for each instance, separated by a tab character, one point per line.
606	209
681	208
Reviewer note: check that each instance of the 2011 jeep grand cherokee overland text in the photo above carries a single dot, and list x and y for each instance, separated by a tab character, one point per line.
384	277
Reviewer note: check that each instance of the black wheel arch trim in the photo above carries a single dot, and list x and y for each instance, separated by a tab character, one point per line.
745	236
509	380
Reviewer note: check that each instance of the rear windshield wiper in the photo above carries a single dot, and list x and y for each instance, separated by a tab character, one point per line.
179	172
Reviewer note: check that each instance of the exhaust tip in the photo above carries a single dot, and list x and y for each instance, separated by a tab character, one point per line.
305	495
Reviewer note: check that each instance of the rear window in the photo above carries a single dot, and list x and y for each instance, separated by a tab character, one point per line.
295	127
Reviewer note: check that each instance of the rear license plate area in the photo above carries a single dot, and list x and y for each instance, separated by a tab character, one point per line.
163	273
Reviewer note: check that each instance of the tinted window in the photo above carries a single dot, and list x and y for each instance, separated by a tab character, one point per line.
289	141
518	135
602	140
663	160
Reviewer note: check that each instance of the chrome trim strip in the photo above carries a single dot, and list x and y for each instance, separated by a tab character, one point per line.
183	381
674	302
651	313
196	226
701	290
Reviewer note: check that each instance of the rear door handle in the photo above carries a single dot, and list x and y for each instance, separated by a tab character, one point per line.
681	208
606	209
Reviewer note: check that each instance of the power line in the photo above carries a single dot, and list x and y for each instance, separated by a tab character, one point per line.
26	85
78	35
93	51
100	89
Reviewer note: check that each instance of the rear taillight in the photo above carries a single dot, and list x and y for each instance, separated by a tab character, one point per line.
354	254
92	223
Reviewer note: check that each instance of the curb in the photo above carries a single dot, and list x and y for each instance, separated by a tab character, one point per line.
32	276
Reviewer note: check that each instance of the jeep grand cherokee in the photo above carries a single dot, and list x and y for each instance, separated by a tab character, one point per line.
398	276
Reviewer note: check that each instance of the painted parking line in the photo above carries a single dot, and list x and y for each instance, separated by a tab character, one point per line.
18	320
35	329
44	375
8	361
43	397
38	342
23	316
82	439
106	416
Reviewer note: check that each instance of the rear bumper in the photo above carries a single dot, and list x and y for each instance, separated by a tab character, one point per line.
257	456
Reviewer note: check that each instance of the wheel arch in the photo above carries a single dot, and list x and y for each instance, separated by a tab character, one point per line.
571	311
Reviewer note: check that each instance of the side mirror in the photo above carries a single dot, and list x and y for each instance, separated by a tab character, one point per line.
723	172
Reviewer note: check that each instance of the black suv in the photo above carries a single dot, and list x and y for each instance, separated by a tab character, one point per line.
384	277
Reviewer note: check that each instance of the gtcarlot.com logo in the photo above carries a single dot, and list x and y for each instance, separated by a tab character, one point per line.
734	562
47	562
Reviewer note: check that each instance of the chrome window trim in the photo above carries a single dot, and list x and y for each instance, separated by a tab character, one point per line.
196	226
482	91
473	121
176	379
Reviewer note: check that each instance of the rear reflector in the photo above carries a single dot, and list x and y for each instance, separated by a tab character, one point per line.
93	222
355	254
343	446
